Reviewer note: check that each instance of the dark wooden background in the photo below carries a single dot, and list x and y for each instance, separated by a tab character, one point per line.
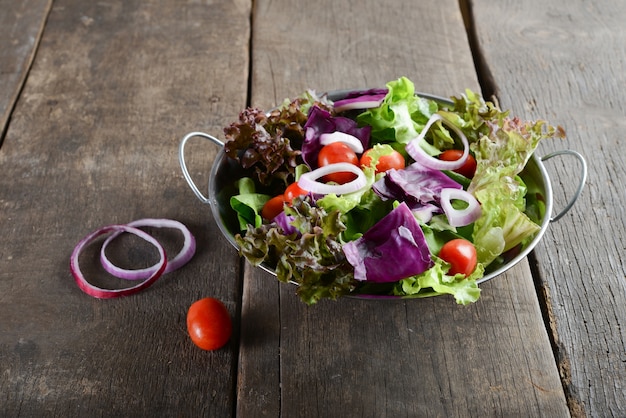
94	98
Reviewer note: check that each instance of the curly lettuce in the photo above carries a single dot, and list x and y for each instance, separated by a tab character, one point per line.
268	144
312	257
501	155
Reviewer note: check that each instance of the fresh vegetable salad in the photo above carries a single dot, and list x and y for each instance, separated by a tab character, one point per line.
384	192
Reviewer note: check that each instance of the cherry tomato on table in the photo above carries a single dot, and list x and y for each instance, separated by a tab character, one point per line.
385	162
338	152
461	255
467	169
209	324
273	207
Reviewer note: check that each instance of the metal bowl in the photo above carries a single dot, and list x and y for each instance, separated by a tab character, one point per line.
225	170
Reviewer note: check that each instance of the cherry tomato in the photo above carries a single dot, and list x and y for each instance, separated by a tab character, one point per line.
209	324
293	191
461	255
385	162
338	152
467	169
273	207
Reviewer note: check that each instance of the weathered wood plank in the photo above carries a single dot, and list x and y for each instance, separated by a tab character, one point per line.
368	358
348	41
21	24
92	141
564	60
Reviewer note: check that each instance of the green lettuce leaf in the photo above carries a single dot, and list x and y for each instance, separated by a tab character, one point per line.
470	113
366	214
248	204
401	115
501	155
436	281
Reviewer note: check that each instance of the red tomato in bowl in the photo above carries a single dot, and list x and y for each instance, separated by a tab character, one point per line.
292	191
209	324
337	152
461	255
385	162
467	169
273	207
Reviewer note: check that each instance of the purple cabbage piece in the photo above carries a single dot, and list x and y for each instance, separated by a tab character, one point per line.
371	92
391	250
425	212
416	185
321	122
284	222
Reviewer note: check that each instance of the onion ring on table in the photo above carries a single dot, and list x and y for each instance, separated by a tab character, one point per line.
183	256
416	152
101	293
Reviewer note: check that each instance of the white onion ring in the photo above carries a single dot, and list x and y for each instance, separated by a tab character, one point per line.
308	181
185	254
101	293
415	150
460	217
352	141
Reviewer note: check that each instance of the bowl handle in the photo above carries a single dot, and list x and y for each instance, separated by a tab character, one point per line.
583	178
183	164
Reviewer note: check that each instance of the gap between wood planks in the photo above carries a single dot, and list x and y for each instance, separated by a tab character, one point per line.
489	90
250	52
242	261
22	82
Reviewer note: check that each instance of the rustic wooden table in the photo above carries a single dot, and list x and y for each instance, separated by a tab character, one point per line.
94	98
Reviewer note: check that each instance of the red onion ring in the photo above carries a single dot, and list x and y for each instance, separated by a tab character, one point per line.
414	149
460	217
185	254
308	181
367	101
352	141
101	293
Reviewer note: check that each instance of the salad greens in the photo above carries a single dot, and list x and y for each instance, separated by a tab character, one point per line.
312	257
248	203
269	144
501	157
385	237
401	116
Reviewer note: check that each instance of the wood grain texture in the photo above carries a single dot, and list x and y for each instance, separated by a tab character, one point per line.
367	358
564	61
21	23
357	45
93	140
